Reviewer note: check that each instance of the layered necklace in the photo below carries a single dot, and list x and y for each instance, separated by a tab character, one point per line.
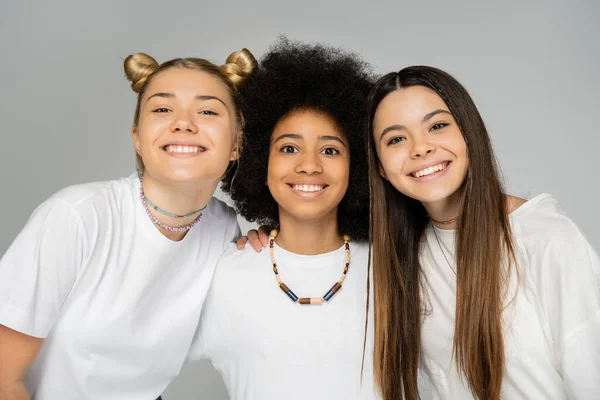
309	300
437	238
442	248
148	204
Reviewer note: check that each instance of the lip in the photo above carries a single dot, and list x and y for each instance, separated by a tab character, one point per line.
314	183
433	176
431	164
308	195
202	150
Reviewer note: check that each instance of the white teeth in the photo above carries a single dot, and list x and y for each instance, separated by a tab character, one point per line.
430	170
307	188
182	149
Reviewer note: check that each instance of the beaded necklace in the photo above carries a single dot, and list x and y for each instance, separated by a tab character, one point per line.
309	300
448	221
153	218
168	214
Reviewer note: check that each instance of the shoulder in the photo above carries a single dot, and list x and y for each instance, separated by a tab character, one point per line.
239	268
82	200
552	242
542	220
233	259
218	210
219	222
512	203
80	193
96	196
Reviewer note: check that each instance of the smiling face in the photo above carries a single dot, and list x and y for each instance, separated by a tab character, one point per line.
187	127
309	163
421	149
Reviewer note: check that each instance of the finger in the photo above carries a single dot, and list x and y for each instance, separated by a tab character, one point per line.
241	242
254	240
263	236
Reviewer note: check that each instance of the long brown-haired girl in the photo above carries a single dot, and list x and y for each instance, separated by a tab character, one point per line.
494	296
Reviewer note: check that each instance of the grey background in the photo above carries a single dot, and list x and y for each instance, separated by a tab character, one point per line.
66	108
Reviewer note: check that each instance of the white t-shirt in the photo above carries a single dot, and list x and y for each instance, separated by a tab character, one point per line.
552	328
117	302
267	347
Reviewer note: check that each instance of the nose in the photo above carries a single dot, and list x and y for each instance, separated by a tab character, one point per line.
183	123
309	164
421	148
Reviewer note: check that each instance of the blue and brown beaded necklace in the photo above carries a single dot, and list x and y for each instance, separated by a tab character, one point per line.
309	300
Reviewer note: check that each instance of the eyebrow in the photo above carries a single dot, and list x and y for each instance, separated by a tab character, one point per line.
300	137
391	128
199	97
426	118
430	115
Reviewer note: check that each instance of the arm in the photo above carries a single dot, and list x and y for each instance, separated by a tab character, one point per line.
17	354
38	270
36	275
570	290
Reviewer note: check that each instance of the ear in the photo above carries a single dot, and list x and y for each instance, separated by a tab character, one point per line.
136	139
237	147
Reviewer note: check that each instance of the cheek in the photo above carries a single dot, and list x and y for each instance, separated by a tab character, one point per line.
392	161
219	131
344	170
454	143
149	130
276	167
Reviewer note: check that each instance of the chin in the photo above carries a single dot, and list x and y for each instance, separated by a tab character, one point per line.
433	196
182	176
304	215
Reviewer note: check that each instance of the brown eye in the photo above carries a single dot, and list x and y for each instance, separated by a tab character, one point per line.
330	151
438	126
396	140
161	110
289	149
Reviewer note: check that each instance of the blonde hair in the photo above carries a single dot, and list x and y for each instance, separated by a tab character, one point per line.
140	68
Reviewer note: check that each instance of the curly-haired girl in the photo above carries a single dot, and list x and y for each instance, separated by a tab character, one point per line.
278	324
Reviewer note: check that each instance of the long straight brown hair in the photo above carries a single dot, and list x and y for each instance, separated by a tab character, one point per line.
483	241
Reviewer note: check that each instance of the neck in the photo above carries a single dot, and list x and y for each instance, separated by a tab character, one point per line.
309	237
444	210
177	198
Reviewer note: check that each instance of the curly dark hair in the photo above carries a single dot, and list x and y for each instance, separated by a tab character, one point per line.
296	76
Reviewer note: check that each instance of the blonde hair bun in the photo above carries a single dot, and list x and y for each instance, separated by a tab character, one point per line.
239	66
138	67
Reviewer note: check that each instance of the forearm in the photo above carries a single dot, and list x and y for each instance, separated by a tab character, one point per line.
14	391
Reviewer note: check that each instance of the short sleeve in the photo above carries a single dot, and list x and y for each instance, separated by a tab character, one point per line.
38	270
569	280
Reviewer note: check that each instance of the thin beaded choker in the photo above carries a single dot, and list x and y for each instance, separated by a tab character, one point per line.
448	221
160	210
153	218
309	300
